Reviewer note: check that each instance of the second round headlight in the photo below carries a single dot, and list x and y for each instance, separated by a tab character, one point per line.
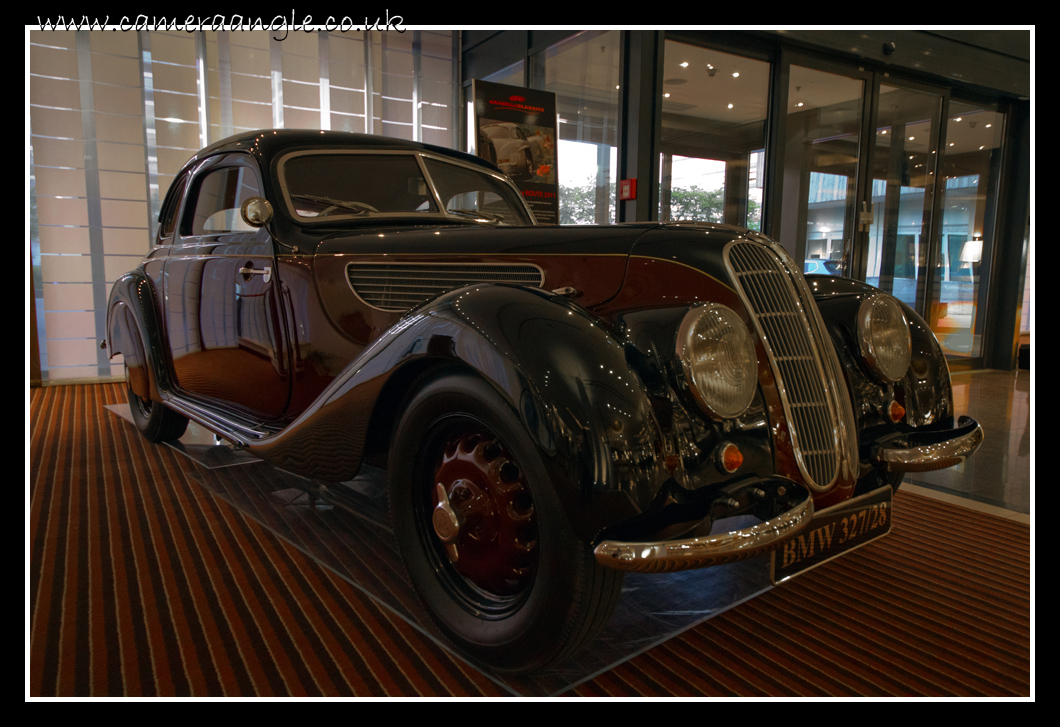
718	359
883	334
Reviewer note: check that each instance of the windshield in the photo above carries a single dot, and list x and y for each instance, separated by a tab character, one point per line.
331	184
468	193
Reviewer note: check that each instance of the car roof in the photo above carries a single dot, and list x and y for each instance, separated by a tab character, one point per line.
266	144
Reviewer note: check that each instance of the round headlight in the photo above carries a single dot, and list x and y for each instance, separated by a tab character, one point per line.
718	359
883	334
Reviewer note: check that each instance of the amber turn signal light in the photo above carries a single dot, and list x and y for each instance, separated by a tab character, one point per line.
730	458
896	411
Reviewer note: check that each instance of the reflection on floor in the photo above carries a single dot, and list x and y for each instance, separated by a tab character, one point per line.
998	478
652	608
346	528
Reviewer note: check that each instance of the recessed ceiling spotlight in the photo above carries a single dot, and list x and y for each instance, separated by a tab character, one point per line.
736	75
684	65
730	106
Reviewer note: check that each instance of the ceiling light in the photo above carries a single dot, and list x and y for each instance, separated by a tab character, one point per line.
911	138
684	65
736	75
730	106
666	95
989	125
799	103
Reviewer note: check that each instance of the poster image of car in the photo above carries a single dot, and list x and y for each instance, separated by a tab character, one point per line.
516	130
524	151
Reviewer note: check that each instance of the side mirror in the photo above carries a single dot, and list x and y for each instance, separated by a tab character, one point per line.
256	211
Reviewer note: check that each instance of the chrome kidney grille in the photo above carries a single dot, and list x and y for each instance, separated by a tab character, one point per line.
804	364
402	286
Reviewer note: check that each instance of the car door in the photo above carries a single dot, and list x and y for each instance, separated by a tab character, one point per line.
223	305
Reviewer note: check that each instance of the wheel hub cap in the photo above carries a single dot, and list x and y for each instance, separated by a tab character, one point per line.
484	515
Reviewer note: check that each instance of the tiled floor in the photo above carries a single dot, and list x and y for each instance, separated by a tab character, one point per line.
998	477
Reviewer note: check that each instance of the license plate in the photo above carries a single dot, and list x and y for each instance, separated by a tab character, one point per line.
834	531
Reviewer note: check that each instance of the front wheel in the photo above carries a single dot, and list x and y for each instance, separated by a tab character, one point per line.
483	535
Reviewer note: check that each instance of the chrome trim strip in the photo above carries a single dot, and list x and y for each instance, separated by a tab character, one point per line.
936	456
800	352
666	556
240	434
783	326
842	405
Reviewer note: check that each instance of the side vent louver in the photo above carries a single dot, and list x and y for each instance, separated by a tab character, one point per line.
401	286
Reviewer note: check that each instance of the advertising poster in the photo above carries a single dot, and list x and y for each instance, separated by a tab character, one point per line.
516	130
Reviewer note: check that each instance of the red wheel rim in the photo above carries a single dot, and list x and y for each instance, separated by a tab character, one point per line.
483	514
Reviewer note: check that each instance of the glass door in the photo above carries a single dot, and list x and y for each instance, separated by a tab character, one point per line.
894	183
713	136
822	163
969	173
904	163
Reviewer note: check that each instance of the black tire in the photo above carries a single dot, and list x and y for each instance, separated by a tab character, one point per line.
157	423
523	591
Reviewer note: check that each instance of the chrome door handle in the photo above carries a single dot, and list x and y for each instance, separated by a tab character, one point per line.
266	271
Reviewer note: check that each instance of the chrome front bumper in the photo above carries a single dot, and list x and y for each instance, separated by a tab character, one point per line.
930	450
673	555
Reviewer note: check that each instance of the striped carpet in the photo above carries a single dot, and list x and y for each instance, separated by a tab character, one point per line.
143	581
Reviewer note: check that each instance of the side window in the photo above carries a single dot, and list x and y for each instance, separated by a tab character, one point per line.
220	194
167	218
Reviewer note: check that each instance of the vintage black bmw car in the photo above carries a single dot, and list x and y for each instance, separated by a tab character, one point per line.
554	405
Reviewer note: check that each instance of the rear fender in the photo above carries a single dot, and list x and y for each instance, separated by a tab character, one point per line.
558	369
134	330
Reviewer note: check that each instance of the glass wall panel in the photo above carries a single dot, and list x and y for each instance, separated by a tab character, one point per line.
903	188
822	152
713	136
89	200
969	170
583	73
114	116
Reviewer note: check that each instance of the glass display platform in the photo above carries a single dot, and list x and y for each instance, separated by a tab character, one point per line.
347	529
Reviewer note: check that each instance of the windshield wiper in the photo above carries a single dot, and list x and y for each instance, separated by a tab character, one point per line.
359	207
488	216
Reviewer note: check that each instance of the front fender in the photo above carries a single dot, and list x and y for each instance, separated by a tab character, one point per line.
924	391
134	330
558	368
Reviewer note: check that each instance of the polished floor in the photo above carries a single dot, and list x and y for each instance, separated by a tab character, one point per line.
997	479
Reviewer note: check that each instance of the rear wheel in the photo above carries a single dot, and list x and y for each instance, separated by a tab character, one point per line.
483	535
157	423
